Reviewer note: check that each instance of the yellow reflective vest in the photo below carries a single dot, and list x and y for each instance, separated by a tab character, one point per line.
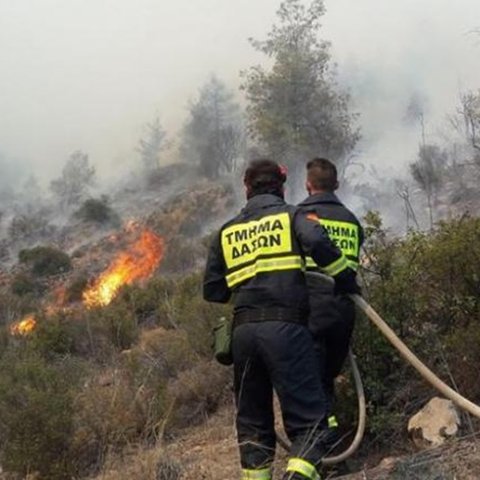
260	256
341	224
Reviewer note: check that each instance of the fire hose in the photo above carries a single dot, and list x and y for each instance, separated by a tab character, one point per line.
410	357
414	361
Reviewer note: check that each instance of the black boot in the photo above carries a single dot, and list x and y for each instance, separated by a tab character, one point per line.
332	441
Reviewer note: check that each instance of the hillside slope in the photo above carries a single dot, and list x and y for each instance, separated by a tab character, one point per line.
209	452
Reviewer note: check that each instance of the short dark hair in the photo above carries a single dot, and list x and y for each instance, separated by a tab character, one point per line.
322	174
264	176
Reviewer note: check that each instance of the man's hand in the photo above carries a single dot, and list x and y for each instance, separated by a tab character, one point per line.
346	283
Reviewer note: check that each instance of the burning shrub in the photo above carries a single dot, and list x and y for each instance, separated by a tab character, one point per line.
137	263
98	211
13	307
45	261
24	326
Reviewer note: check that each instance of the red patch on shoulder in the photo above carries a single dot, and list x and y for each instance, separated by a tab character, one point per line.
313	217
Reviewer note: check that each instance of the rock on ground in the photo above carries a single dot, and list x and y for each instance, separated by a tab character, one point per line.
434	423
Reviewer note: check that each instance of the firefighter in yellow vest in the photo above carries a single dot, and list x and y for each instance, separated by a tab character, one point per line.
258	257
332	316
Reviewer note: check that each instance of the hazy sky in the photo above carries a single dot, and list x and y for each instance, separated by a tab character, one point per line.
89	73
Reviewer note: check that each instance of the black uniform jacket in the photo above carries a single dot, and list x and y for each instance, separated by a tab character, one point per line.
334	214
284	288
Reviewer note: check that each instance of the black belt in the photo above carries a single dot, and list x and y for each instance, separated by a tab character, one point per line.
270	314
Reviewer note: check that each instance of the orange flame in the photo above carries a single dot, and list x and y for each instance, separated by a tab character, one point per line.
24	326
138	262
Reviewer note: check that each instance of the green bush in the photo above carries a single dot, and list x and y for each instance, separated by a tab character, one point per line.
114	410
24	284
190	312
462	353
75	289
35	415
196	393
45	261
98	210
131	386
425	285
53	337
115	322
167	351
150	300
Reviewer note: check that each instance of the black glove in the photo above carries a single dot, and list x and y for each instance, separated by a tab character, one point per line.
346	283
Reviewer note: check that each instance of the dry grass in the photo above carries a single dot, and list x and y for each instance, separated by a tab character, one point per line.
197	393
206	452
209	452
154	464
457	460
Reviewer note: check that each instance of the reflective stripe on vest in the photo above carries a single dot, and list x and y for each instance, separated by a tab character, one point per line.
262	474
258	246
353	264
293	262
310	264
335	267
307	469
332	421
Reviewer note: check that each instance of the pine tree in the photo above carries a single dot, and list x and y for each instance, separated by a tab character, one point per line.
151	146
213	137
296	109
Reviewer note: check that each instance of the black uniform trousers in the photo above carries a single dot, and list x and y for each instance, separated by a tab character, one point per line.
280	356
332	342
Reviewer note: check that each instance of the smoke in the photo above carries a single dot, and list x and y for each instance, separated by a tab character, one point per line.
392	53
89	75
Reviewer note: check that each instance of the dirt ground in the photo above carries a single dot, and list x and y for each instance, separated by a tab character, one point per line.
209	452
